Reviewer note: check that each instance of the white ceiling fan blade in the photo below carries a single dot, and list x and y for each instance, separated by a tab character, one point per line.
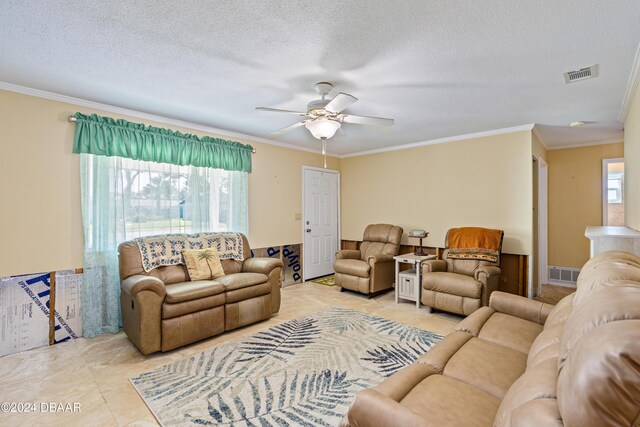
367	120
290	127
340	102
276	110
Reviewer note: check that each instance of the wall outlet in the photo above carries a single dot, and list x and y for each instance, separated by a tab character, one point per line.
297	217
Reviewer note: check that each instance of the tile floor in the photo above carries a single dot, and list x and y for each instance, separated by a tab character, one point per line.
552	294
95	372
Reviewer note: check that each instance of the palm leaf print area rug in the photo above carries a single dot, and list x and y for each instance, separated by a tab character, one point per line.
304	372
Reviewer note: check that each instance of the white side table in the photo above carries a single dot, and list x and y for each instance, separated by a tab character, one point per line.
408	284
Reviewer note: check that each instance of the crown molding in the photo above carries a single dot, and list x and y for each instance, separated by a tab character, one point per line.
442	140
587	144
536	132
632	87
10	87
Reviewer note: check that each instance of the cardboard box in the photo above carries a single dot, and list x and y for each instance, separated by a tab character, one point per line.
292	259
68	324
24	312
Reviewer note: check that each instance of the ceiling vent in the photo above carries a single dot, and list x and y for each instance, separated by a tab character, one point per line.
581	74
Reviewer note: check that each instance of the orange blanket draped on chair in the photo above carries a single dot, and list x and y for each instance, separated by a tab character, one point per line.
477	243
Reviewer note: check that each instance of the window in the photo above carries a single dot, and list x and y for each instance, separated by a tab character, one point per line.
158	198
613	192
614	187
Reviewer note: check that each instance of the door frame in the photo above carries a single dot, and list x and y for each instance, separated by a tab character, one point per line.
543	222
303	227
539	260
605	186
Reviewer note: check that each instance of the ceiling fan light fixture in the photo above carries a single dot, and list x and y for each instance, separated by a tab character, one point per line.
323	128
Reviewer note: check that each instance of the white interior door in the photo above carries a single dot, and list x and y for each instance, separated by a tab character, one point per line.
320	221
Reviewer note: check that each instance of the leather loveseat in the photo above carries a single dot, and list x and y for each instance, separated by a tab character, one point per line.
523	363
162	309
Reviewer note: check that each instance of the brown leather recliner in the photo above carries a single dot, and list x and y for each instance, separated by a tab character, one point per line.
371	269
162	309
520	362
459	286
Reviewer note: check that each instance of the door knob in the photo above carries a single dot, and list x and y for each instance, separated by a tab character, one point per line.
308	230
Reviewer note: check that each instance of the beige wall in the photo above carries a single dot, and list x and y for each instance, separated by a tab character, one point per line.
632	164
476	182
575	200
40	218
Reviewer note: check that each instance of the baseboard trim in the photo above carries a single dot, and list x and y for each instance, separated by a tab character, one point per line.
563	284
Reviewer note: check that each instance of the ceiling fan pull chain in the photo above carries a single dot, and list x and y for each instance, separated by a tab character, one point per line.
324	151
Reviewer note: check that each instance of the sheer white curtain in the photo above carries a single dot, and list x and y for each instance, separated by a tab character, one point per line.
123	199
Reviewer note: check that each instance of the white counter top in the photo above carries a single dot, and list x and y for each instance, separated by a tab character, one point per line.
609	231
613	238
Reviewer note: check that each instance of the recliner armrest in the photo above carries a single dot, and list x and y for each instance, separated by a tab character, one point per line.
348	254
434	265
373	259
135	284
521	307
261	265
485	272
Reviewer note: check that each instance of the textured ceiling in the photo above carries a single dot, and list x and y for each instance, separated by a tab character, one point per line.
439	68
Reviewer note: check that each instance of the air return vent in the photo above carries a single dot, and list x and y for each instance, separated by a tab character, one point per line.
581	74
563	275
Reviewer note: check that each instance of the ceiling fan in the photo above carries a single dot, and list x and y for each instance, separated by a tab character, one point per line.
325	116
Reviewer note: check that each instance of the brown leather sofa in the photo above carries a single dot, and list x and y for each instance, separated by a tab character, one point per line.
459	286
162	309
523	363
371	269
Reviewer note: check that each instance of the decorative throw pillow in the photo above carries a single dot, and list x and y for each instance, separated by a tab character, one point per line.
203	264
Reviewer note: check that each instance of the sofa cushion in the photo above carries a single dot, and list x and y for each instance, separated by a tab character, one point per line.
536	413
546	345
610	256
352	267
540	382
561	311
451	303
248	292
591	281
235	281
452	283
187	291
475	364
439	355
380	239
614	301
402	382
599	384
467	267
513	332
169	311
445	401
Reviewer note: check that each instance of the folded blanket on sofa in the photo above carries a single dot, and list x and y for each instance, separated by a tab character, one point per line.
166	249
476	243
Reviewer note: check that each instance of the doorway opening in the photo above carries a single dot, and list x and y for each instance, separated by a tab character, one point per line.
613	192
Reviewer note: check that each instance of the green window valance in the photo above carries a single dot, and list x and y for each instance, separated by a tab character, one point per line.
104	136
